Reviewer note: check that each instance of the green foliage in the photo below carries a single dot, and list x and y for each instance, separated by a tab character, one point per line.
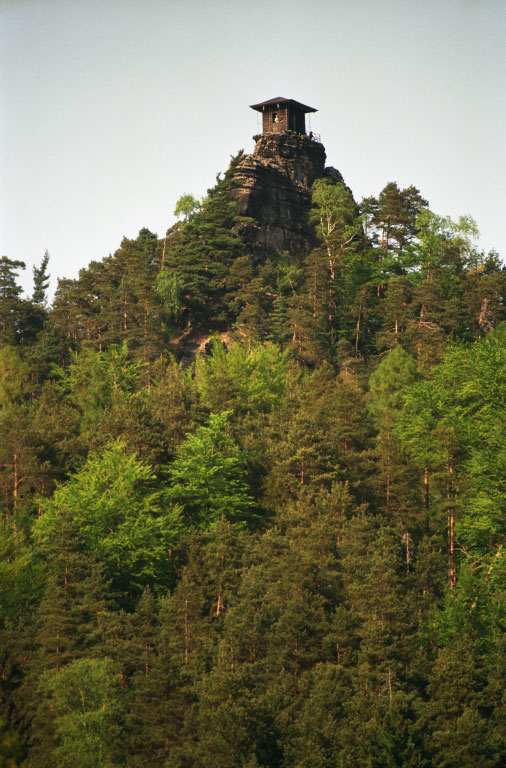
120	517
100	381
285	550
14	373
443	241
200	263
11	304
456	416
115	301
41	282
396	480
317	439
11	748
246	379
84	699
392	217
169	288
388	383
334	215
208	477
186	206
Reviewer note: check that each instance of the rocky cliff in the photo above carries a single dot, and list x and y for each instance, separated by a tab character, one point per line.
273	186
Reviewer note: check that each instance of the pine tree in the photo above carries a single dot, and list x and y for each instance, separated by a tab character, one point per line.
67	627
41	282
318	438
11	304
394	215
203	259
398	496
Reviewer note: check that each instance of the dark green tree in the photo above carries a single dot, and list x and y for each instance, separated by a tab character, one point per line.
41	282
202	261
11	303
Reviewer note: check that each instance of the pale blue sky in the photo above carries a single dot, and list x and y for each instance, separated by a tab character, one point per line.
110	110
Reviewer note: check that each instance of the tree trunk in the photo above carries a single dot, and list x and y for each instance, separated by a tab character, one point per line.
186	631
452	575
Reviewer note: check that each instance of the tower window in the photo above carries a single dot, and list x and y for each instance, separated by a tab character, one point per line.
275	118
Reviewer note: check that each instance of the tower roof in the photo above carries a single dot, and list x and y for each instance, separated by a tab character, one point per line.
281	100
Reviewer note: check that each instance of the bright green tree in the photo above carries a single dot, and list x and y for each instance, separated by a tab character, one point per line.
99	382
186	206
399	497
244	378
208	478
84	699
120	517
338	227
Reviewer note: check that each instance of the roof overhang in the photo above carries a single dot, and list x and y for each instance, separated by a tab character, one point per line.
281	101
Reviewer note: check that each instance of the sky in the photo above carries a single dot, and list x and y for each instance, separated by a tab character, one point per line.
110	110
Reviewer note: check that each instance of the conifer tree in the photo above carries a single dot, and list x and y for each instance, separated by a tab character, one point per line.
202	260
399	498
11	304
41	282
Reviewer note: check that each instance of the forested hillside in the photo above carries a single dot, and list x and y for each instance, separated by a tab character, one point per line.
254	514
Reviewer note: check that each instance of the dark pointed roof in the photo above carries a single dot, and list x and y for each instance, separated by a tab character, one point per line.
281	100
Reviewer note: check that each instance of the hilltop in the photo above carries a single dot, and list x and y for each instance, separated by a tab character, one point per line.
252	507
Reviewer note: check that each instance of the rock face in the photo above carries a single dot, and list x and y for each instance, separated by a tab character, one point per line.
273	186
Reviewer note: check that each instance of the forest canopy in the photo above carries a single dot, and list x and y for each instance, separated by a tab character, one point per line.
254	513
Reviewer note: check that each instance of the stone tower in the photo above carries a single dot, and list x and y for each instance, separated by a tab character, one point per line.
273	185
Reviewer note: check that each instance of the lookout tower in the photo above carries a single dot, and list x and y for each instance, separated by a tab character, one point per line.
279	115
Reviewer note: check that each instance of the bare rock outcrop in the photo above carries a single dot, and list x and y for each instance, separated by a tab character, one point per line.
273	186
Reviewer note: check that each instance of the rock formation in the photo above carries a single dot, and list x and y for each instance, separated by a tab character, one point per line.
273	186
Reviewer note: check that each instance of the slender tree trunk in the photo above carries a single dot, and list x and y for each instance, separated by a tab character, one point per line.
419	342
388	478
219	606
357	331
331	286
186	631
15	484
452	575
57	652
314	293
14	512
